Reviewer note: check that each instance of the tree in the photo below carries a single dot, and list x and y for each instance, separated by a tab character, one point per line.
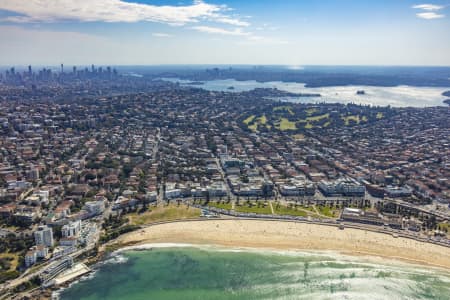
90	176
127	169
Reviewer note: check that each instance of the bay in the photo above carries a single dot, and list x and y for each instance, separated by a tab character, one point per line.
397	96
215	273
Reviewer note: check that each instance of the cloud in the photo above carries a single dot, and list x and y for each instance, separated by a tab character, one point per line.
267	27
49	11
429	15
429	11
249	37
429	7
194	14
235	22
253	39
161	35
223	31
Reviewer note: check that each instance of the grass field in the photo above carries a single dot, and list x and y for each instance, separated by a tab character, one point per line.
287	108
284	210
164	213
380	115
249	119
304	211
445	227
8	265
285	124
259	207
253	208
262	120
253	127
13	259
317	118
328	211
347	119
222	205
310	111
256	121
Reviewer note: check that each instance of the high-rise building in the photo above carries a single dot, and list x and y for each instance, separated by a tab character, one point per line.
44	236
72	229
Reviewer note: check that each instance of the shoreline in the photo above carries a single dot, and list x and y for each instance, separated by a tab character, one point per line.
116	257
278	237
359	257
398	98
290	236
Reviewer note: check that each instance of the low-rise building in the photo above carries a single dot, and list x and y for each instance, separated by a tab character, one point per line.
69	241
56	268
373	218
95	207
397	192
360	216
173	193
35	253
342	187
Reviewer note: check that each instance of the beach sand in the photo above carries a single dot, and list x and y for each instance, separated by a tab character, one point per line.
291	236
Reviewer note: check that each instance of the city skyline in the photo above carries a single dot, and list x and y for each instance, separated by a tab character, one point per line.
115	32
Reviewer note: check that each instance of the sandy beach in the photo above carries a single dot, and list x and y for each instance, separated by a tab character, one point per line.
291	236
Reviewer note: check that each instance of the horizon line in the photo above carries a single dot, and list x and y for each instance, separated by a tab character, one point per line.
225	64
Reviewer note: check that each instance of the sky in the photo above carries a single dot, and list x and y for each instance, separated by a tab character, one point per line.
254	32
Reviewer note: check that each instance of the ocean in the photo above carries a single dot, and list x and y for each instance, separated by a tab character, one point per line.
218	273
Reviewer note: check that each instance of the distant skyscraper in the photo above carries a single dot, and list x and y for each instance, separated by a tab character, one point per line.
62	68
74	69
44	236
29	70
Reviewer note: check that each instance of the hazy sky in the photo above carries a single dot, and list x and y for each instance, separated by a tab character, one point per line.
288	32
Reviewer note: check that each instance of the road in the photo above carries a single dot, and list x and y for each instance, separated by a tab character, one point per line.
224	178
160	196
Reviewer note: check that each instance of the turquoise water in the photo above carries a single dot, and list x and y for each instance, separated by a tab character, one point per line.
207	273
